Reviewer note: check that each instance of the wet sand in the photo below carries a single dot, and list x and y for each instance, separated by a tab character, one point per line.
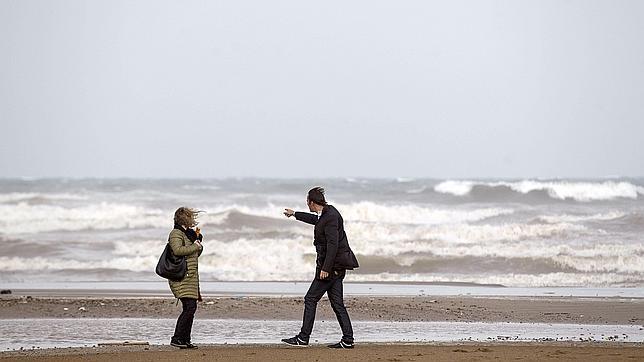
400	309
459	309
364	352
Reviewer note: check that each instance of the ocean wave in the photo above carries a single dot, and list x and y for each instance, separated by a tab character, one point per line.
373	212
403	180
294	258
244	267
413	214
553	219
558	279
375	235
419	190
582	257
14	197
560	190
136	264
245	259
201	187
598	258
22	218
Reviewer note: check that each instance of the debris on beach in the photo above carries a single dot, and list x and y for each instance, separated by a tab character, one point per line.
124	343
5	291
82	309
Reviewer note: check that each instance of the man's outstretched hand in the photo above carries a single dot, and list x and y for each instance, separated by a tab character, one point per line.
289	212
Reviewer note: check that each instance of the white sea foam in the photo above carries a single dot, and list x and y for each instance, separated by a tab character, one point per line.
374	212
242	266
579	191
243	259
201	187
553	219
419	190
413	214
404	179
382	235
248	237
294	259
584	258
22	218
511	280
135	263
457	188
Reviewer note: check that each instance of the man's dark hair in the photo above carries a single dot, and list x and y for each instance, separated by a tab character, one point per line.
316	195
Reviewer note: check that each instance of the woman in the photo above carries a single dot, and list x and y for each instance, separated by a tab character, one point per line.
185	241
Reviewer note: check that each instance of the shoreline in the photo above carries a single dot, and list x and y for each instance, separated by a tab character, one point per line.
586	324
159	288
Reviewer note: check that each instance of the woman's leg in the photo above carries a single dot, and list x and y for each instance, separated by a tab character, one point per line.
184	323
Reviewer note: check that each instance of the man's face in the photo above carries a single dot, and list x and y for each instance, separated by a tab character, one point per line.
309	204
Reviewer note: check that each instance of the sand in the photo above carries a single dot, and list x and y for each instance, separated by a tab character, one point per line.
461	309
364	352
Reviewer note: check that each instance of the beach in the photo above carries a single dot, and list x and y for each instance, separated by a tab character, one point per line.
373	308
407	328
449	270
407	352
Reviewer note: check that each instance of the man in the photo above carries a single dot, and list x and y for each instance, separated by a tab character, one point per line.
334	257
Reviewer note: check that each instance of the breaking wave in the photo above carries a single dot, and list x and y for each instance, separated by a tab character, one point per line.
24	218
559	190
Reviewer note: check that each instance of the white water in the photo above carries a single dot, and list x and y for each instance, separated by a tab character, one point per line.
516	233
48	333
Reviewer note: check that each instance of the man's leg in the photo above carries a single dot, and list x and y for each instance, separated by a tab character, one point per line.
316	291
336	297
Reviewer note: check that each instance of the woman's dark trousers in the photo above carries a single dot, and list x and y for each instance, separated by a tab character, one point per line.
333	287
184	322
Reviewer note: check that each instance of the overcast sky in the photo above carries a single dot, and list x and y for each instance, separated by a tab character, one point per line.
297	88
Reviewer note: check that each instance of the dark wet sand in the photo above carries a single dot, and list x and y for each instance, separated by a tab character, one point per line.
461	309
364	352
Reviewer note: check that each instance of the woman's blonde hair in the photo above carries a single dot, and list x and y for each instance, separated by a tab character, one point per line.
186	216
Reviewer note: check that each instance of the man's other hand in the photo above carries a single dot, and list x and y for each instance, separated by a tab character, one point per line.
323	274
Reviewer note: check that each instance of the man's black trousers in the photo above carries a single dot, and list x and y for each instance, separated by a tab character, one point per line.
333	287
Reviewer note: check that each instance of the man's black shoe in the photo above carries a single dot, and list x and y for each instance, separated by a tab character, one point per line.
178	343
191	346
296	341
341	345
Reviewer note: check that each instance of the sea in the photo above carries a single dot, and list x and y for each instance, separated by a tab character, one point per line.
509	232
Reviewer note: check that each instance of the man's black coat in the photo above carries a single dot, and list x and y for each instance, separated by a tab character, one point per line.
330	240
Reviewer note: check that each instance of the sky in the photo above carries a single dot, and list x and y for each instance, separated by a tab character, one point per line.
441	89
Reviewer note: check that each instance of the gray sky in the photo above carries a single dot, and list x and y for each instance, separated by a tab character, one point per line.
324	88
